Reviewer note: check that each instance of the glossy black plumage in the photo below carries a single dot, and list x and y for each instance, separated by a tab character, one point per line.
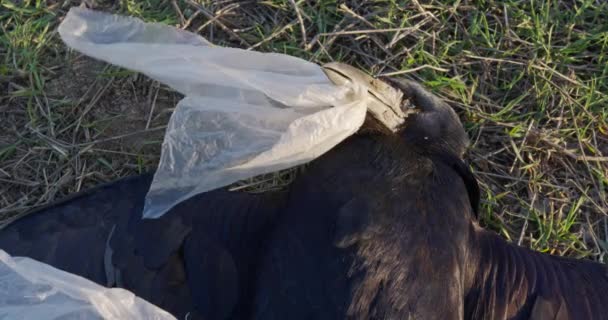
184	262
512	282
381	227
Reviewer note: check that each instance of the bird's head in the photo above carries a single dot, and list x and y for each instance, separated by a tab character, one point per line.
403	107
423	121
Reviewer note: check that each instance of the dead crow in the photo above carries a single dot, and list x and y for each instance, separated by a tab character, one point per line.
184	262
384	226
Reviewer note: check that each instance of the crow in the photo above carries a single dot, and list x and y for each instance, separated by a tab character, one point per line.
383	226
386	227
184	262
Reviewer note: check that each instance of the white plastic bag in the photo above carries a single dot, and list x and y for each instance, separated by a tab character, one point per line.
245	113
33	290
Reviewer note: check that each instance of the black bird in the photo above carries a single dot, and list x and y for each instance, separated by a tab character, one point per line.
384	226
194	261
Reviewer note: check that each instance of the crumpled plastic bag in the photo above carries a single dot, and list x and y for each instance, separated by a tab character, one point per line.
33	290
245	113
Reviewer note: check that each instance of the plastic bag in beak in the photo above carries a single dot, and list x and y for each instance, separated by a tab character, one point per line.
245	113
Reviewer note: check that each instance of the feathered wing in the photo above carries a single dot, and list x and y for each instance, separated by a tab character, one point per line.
71	234
194	260
517	283
213	240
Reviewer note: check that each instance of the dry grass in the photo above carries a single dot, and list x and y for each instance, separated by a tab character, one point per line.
528	80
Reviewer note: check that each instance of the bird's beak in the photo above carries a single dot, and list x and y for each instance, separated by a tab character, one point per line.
385	103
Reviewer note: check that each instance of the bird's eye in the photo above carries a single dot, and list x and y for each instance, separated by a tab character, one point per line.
406	104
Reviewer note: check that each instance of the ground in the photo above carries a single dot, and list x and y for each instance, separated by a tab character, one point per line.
528	79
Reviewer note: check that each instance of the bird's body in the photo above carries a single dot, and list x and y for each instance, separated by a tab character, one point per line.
381	240
195	257
384	226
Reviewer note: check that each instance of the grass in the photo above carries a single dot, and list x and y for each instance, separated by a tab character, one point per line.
528	79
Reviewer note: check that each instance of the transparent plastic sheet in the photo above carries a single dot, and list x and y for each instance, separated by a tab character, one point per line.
33	290
245	113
